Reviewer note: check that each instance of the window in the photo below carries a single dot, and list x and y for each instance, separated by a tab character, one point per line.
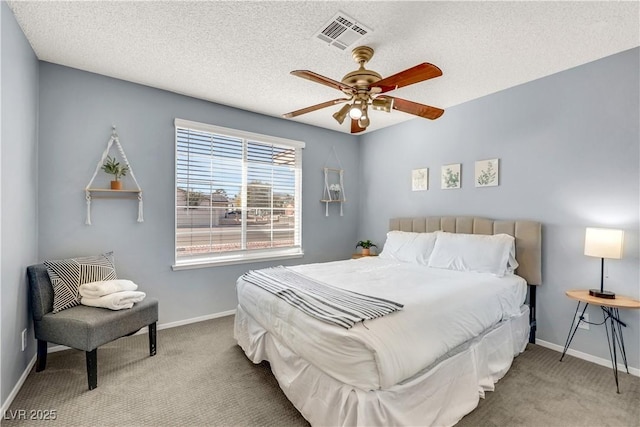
238	196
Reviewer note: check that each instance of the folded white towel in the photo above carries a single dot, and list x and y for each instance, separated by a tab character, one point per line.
116	300
106	287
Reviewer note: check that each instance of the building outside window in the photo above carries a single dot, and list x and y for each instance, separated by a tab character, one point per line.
238	196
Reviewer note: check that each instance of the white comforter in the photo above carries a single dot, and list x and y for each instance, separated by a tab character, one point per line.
442	310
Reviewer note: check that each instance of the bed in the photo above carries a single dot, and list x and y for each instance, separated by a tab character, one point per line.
426	364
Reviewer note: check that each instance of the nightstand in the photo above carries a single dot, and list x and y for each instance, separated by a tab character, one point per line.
609	312
356	256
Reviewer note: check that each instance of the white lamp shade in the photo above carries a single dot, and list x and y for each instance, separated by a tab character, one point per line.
355	112
603	243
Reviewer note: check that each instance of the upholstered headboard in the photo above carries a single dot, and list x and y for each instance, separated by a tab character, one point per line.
528	236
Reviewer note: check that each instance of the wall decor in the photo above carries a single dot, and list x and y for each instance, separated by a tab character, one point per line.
487	173
420	179
333	191
450	177
114	166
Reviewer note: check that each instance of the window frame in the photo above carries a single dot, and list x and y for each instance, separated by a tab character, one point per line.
246	255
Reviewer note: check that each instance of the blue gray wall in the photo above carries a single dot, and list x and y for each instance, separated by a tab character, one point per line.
569	155
18	195
568	145
77	110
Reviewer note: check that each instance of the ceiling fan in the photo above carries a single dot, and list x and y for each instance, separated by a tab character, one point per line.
365	88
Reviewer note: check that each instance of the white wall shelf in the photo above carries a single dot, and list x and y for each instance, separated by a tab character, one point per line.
106	193
333	188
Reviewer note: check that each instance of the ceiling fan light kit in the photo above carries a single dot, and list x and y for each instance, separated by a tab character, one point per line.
364	122
382	104
365	87
341	114
356	110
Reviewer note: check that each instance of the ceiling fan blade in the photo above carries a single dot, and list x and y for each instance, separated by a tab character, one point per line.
414	108
315	107
315	77
419	73
355	127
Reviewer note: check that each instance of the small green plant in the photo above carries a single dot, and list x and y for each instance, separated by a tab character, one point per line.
451	179
112	167
366	244
487	176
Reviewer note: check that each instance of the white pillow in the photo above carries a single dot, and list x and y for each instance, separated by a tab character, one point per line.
409	247
474	252
512	264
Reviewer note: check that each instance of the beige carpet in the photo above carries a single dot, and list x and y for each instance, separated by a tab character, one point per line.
201	378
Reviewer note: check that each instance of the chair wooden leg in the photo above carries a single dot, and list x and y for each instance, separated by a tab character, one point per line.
41	361
152	339
92	368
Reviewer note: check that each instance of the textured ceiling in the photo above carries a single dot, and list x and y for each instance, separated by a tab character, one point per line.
240	53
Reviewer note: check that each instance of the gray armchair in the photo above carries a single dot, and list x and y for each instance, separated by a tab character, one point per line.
81	327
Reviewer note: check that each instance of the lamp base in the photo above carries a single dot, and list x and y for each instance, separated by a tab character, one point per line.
602	294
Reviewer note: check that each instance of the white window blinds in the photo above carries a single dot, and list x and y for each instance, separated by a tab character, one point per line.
238	195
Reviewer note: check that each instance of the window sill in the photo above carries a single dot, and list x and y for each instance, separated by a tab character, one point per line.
235	259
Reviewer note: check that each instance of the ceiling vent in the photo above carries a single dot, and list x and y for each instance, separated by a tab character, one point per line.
342	31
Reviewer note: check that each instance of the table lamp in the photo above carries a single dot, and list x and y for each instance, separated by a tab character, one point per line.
603	243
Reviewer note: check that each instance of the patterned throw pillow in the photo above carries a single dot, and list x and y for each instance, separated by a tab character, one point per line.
68	274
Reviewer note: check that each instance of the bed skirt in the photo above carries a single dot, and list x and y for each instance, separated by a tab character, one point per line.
439	395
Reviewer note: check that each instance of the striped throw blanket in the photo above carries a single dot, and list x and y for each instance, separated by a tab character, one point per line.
324	302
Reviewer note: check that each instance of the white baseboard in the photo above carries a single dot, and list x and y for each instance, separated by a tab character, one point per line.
18	386
588	357
196	319
164	326
144	330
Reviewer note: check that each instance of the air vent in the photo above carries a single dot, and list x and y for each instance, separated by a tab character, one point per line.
342	31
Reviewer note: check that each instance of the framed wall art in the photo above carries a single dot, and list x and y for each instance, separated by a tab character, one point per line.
450	176
487	173
420	179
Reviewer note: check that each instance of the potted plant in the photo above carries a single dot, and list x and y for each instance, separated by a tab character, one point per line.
335	191
366	246
112	167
